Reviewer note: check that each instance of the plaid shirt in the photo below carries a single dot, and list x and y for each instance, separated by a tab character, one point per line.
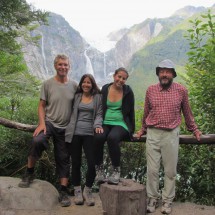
163	108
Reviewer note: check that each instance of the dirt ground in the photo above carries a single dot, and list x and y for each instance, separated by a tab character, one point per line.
178	209
188	209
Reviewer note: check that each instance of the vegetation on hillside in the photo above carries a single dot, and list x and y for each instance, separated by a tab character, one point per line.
170	43
19	90
201	70
199	167
17	20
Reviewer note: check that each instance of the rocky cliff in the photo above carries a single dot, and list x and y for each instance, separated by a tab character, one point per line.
57	38
60	37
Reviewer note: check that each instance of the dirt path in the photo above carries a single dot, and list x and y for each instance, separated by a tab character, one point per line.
188	209
178	209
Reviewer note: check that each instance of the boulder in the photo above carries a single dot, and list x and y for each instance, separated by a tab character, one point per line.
41	195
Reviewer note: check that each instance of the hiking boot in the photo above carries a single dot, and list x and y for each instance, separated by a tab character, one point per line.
64	199
100	176
27	179
78	196
166	207
152	205
88	196
115	176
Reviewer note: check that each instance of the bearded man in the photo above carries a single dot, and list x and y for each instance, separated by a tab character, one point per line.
164	103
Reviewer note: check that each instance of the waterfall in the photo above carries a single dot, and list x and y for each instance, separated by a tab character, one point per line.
89	68
104	65
43	54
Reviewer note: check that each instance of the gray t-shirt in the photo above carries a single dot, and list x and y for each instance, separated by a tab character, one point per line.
84	124
58	99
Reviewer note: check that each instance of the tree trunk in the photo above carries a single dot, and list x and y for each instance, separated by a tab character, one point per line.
126	198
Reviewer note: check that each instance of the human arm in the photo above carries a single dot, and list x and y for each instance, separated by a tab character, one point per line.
188	116
41	115
143	129
132	112
98	114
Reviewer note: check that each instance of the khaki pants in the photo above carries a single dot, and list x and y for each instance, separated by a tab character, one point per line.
162	145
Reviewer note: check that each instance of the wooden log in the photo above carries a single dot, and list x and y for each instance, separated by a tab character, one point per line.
16	125
126	198
187	139
204	139
184	139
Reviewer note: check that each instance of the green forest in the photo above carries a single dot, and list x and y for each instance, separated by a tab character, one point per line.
20	94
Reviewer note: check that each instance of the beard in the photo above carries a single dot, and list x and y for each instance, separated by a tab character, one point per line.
165	82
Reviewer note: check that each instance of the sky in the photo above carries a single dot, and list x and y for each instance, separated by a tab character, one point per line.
95	19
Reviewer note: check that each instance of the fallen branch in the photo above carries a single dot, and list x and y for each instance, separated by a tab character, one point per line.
184	139
16	125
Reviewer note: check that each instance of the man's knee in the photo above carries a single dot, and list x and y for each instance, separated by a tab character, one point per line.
37	146
152	172
39	138
171	174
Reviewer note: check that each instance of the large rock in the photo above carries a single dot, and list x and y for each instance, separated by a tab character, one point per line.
41	195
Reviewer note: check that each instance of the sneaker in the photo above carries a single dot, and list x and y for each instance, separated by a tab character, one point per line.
152	205
115	176
88	196
166	208
27	179
78	196
100	176
64	199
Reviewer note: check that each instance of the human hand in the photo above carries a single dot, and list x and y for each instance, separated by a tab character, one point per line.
40	127
197	134
99	130
139	134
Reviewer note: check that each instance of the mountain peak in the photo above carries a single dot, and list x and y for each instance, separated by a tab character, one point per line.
188	11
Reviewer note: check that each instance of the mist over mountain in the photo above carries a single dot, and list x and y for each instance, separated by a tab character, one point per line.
117	35
139	49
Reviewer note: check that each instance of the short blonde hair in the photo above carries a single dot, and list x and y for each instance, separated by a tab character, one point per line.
61	56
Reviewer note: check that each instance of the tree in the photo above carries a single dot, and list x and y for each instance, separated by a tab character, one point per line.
197	169
17	18
201	70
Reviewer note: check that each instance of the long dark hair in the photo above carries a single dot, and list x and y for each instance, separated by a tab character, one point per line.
95	89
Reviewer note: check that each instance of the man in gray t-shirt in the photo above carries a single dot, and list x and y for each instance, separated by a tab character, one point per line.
54	111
